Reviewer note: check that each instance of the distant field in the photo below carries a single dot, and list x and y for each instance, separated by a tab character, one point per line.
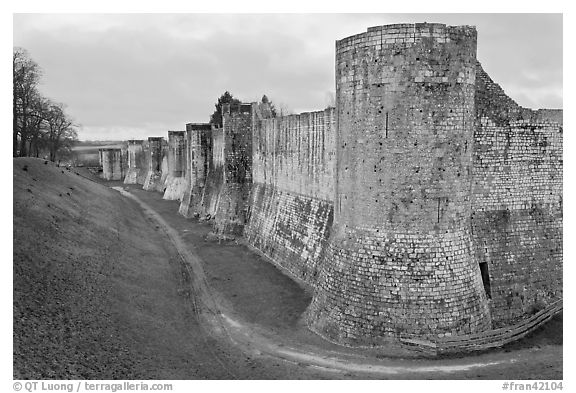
87	146
85	153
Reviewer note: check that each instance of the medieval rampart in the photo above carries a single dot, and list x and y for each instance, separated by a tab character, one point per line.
198	153
231	211
136	162
399	257
425	207
113	163
157	165
516	203
175	182
291	200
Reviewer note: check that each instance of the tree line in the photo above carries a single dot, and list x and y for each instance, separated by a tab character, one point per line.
41	127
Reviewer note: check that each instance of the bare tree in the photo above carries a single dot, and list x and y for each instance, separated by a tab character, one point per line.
284	110
40	126
26	76
36	128
60	131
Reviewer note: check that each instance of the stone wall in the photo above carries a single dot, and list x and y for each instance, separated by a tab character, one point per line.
156	159
291	200
113	166
399	258
137	165
426	206
231	212
143	173
210	193
177	157
517	203
199	151
164	170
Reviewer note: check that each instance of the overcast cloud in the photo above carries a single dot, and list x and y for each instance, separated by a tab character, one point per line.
139	75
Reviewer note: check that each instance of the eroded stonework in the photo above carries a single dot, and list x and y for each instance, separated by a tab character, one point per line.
426	205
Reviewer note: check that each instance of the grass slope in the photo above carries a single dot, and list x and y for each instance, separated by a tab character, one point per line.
96	288
99	291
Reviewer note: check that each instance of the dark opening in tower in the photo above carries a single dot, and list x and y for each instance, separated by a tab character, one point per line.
485	278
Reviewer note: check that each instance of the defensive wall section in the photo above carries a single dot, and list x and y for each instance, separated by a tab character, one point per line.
231	211
136	162
426	207
212	153
220	175
176	180
199	152
291	201
516	203
113	164
399	259
157	165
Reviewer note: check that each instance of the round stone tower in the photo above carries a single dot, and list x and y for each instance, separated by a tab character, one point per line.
399	260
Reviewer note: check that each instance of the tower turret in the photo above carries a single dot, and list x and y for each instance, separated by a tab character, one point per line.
399	260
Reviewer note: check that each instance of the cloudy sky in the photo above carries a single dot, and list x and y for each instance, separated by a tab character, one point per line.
128	76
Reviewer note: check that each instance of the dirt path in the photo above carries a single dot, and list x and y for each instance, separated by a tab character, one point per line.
276	331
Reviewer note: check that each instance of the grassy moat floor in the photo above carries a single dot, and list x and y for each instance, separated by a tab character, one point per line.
99	293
